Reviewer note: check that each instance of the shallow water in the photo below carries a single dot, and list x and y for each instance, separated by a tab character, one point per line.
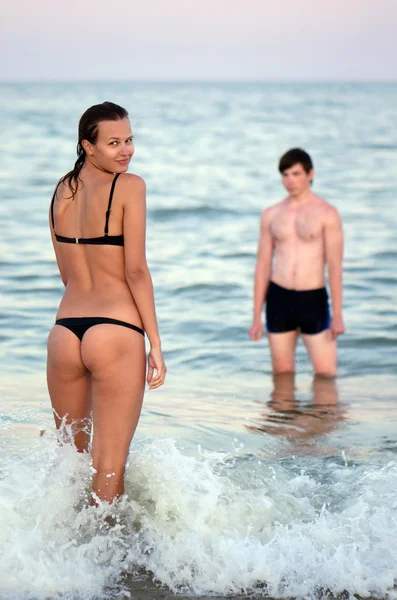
237	484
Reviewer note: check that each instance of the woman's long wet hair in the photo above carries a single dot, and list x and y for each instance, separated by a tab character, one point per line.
88	130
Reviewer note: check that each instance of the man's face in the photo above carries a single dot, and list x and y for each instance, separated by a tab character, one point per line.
295	179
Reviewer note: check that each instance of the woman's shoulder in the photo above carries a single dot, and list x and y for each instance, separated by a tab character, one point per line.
132	180
131	185
61	187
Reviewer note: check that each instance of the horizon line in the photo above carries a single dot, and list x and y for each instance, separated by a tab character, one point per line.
201	81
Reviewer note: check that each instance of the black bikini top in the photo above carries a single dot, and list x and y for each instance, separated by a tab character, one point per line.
110	240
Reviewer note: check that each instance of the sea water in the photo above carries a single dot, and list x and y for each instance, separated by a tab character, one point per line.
237	484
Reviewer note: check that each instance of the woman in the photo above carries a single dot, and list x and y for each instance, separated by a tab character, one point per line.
96	350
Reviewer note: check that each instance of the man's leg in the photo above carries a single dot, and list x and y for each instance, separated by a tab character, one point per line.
325	391
282	348
322	352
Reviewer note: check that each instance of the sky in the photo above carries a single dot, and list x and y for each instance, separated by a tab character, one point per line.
198	40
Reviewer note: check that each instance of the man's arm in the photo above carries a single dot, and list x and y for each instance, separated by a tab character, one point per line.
262	275
334	257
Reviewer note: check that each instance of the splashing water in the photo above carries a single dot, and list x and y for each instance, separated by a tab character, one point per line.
201	524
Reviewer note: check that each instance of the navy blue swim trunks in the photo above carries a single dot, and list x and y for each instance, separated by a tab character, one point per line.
291	310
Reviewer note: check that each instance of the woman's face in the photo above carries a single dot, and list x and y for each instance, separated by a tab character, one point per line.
114	147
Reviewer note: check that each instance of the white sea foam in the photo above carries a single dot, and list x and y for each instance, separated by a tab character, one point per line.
201	524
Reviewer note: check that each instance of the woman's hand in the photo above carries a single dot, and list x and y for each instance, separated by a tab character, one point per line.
156	363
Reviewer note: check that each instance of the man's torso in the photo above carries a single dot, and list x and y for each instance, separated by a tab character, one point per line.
297	231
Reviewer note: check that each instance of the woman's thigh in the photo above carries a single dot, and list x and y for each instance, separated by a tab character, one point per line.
68	383
115	356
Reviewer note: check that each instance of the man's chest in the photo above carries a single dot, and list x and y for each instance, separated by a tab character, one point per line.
305	225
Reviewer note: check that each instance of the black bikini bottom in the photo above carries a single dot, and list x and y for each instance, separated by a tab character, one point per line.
79	325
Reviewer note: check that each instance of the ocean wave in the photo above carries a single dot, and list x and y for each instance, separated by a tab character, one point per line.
204	524
181	212
211	288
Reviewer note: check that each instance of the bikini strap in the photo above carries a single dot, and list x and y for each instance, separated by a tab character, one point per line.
52	204
110	205
52	210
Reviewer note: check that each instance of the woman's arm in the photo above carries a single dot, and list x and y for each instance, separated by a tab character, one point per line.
55	246
136	269
137	273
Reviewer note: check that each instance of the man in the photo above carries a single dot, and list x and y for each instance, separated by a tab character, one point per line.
299	236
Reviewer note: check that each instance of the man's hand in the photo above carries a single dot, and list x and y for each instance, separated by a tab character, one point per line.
337	327
256	330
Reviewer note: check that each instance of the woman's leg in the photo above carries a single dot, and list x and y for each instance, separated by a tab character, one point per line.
116	359
69	385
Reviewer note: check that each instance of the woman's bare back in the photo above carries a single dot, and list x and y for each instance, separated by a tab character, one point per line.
94	274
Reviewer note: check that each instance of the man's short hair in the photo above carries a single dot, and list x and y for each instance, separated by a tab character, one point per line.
293	157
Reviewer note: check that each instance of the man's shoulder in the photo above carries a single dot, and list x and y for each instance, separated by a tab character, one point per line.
325	204
328	209
330	216
271	210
